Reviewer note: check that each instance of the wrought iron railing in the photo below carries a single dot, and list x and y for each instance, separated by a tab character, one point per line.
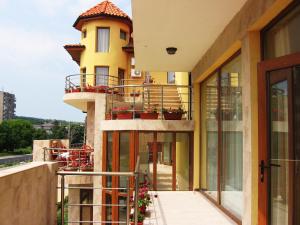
149	101
131	192
89	83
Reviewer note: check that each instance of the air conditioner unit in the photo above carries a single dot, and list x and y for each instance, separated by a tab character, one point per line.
136	73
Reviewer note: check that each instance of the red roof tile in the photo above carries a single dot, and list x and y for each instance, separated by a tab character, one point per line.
74	46
105	8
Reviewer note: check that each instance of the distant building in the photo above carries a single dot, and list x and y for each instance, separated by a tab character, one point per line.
45	126
7	106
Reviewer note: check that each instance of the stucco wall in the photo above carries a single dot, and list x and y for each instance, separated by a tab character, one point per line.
28	194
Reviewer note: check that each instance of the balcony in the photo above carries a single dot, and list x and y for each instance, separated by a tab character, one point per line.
149	101
31	190
93	83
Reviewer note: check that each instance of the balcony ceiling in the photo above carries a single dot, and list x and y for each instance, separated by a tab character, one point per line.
191	26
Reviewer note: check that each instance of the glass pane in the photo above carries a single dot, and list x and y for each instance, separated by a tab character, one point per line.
103	39
122	209
124	157
182	161
146	155
232	137
279	153
297	143
209	136
108	209
164	164
109	158
283	38
102	73
171	77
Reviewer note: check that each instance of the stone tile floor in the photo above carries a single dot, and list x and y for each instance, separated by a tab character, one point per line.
184	208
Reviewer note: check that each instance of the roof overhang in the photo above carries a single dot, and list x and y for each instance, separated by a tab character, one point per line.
191	26
75	51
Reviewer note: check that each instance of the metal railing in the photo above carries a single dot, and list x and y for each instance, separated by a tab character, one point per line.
128	190
137	100
89	83
71	159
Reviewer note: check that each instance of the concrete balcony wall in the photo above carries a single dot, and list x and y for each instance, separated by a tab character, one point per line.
28	194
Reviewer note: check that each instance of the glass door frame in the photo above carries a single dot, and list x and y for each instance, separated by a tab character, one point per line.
264	131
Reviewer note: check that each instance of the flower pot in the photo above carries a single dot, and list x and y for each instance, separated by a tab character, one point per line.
139	223
148	116
172	116
108	116
87	168
124	116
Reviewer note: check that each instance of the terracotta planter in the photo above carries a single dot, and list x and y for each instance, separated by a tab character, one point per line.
87	169
108	116
124	116
139	223
172	116
148	116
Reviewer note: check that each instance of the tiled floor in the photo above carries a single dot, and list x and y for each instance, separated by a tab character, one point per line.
184	208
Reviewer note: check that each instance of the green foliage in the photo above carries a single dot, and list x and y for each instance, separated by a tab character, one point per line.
15	134
40	134
58	131
59	212
76	134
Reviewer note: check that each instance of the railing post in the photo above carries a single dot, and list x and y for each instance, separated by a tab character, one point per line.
134	93
162	100
62	199
136	196
44	154
79	160
128	201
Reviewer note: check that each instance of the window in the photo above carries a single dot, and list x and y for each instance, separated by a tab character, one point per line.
103	36
222	137
171	78
101	75
86	210
83	34
282	37
123	35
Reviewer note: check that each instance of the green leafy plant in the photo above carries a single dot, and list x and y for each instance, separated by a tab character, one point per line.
179	110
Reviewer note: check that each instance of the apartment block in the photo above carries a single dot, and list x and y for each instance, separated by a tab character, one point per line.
7	106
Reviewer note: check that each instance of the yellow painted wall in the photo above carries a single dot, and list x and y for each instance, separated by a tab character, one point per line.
116	58
182	161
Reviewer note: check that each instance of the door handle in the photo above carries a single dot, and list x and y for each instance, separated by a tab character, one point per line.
263	166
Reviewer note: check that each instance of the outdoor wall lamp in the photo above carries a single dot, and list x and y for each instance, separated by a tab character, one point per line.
171	50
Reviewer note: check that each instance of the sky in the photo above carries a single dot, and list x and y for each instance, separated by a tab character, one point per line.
33	61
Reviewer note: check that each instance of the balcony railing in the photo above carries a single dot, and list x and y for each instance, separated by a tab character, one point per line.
131	191
79	158
149	101
89	83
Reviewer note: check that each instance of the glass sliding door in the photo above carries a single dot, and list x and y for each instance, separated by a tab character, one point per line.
232	137
209	135
222	137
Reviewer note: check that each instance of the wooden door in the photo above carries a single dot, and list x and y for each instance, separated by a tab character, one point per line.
278	145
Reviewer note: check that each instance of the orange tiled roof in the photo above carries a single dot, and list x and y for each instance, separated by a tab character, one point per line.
74	46
75	51
105	8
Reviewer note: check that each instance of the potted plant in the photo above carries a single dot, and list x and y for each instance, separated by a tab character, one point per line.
150	114
110	115
86	167
140	218
135	94
173	114
123	113
73	166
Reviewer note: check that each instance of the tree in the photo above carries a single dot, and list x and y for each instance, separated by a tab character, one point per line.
58	131
40	134
76	134
15	134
